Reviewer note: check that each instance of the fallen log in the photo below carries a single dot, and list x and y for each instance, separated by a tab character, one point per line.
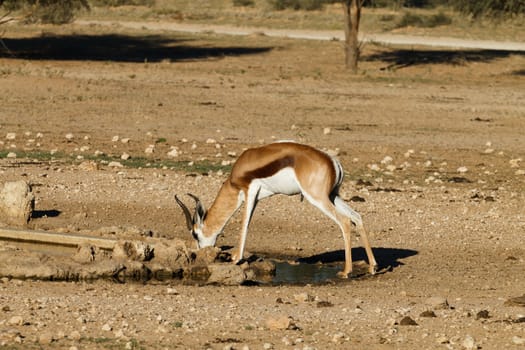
53	238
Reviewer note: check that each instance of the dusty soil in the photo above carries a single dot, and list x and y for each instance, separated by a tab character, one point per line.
432	142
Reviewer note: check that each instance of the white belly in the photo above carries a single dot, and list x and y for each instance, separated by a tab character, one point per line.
282	182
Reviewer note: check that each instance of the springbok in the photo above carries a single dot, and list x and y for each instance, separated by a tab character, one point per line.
278	168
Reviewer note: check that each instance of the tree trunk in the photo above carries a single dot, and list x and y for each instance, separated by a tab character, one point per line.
352	15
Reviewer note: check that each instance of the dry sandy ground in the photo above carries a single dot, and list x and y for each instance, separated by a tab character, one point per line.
433	146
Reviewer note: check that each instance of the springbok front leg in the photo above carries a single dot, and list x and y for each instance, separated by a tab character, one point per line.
250	204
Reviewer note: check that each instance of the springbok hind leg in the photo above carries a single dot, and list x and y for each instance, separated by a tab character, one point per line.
372	264
344	223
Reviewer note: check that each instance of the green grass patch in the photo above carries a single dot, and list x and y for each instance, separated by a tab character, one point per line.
200	167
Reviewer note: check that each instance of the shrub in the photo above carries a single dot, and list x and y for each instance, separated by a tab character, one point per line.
490	7
122	2
243	2
47	11
410	19
308	5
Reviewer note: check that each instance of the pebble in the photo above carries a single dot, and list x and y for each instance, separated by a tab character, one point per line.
70	136
407	321
15	321
75	335
469	343
327	131
280	323
518	340
173	153
125	156
171	291
10	136
11	155
267	346
45	338
437	303
150	149
304	297
114	164
106	327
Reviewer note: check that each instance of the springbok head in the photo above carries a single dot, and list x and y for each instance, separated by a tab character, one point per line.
195	222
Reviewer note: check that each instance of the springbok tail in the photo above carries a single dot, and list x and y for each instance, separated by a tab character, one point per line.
343	208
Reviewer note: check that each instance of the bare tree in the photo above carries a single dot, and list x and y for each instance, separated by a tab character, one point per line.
352	15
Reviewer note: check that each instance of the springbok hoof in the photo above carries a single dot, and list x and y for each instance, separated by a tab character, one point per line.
372	269
343	274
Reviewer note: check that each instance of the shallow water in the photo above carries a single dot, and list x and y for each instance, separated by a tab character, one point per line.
286	273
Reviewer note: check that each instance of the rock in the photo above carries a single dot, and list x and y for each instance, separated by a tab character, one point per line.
518	340
226	274
407	321
462	169
15	321
115	164
10	136
125	156
280	323
482	314
437	303
74	335
205	256
171	291
70	136
339	338
173	153
106	328
428	313
327	131
45	338
132	250
267	346
303	297
17	203
469	343
88	165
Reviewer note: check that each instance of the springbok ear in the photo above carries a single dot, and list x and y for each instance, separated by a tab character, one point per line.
187	214
200	210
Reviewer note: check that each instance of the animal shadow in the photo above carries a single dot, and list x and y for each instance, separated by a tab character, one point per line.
387	258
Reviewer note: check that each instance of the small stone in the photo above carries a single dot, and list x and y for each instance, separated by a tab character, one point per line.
482	314
519	172
125	156
173	153
171	291
304	297
437	303
387	160
280	323
442	340
518	340
45	338
10	136
469	343
106	328
70	136
267	346
462	169
75	335
150	149
115	138
125	140
407	321
114	164
428	313
15	321
339	337
327	131
11	155
211	141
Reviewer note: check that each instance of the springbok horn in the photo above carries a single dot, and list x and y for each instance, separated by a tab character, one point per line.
187	214
200	211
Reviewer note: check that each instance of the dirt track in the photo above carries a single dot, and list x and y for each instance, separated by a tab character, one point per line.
432	142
